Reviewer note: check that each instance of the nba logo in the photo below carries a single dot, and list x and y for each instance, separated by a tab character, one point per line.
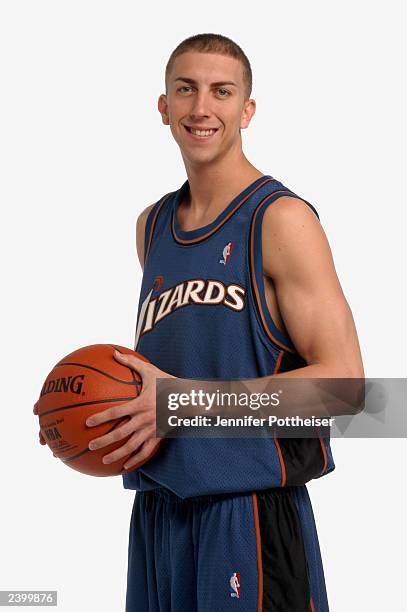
226	253
235	585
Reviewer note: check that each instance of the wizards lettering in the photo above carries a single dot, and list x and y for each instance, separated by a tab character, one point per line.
195	291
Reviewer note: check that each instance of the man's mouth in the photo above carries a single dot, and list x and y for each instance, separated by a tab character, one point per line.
201	134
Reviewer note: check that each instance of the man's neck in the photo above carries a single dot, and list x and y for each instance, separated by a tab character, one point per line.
212	188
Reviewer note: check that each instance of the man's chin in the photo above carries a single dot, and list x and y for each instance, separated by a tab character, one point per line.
199	159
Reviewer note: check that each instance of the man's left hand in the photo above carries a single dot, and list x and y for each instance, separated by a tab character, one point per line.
142	413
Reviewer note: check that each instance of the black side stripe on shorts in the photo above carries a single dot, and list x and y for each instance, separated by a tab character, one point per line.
284	584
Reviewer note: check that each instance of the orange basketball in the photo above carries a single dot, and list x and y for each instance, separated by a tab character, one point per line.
87	381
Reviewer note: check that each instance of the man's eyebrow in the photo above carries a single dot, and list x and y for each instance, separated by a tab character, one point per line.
217	84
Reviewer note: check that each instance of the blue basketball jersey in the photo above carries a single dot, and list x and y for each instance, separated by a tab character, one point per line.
202	314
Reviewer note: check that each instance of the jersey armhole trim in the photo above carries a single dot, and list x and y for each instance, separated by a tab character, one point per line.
151	224
275	335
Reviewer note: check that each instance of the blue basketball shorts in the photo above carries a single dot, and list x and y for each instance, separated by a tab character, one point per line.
256	552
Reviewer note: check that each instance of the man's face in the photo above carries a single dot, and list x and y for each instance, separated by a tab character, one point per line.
206	92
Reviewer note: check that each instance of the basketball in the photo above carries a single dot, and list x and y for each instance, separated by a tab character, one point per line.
85	382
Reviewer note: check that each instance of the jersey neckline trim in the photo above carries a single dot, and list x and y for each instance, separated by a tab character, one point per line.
201	233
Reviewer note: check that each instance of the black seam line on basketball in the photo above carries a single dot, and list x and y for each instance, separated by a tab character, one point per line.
136	382
104	401
67	459
82	365
87	450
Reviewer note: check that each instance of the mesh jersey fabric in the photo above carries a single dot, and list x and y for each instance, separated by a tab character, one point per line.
186	329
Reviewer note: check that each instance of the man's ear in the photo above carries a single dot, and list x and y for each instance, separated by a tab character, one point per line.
248	112
163	109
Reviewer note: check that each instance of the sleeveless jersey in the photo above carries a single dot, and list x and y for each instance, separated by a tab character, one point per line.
202	314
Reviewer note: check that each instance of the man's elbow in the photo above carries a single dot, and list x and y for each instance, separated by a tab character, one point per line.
345	386
345	369
338	366
351	392
353	370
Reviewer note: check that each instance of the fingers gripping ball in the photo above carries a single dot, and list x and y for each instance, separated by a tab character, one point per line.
85	382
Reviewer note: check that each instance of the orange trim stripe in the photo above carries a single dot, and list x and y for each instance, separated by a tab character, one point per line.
324	453
279	453
312	605
282	464
157	212
259	556
253	275
215	229
278	362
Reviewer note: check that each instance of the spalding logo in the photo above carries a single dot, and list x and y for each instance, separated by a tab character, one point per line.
71	384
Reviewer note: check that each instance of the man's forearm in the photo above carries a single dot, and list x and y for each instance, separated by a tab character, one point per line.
314	390
322	389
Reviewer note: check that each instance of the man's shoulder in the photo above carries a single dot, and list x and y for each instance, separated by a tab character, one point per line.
142	222
291	233
140	229
287	208
142	218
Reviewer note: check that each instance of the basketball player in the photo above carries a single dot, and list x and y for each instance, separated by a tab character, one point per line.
238	283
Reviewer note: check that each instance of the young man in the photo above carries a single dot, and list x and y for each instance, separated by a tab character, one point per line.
238	283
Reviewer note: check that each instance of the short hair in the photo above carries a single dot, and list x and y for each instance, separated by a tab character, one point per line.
214	43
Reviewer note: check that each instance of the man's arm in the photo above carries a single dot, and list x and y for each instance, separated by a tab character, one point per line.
297	256
140	229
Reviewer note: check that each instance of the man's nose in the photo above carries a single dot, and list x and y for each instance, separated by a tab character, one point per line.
201	105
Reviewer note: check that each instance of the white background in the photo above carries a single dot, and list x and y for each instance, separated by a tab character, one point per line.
83	151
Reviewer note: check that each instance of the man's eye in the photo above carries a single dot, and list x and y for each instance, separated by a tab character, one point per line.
184	87
223	92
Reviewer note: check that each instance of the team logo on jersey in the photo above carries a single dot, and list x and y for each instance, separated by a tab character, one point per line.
194	291
226	253
158	283
234	582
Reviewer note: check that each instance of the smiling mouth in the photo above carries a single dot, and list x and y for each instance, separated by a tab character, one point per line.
201	134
